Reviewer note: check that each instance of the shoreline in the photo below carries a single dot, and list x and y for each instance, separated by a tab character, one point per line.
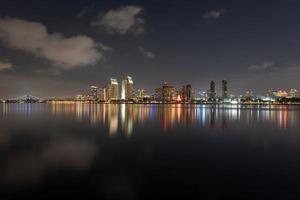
155	103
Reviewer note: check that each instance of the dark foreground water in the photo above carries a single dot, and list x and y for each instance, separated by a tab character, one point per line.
82	151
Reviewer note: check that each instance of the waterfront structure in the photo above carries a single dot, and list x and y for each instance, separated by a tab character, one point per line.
112	90
186	93
103	94
79	97
293	93
94	92
158	96
224	89
166	93
212	90
27	98
281	93
169	93
277	93
127	88
140	94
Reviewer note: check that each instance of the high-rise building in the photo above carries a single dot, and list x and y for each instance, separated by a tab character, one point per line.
127	88
224	89
112	89
212	90
94	92
165	93
103	94
186	93
169	93
158	96
140	94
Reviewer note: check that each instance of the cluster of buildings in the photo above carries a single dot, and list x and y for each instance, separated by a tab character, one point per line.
168	93
111	93
292	93
164	94
212	94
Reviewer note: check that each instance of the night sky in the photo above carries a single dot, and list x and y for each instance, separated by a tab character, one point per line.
61	47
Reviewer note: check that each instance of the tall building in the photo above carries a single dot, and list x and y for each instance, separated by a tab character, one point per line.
102	94
140	94
165	93
186	93
224	89
169	93
94	92
212	90
127	88
158	96
112	90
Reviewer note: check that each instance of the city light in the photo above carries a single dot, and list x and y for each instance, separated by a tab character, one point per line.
167	93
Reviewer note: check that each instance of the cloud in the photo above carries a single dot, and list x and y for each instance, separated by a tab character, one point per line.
147	54
121	21
266	65
5	65
64	52
214	14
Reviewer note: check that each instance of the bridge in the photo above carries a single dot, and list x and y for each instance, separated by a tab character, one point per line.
27	98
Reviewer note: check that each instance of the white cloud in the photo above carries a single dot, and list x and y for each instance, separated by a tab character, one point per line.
266	65
147	54
63	52
214	14
5	65
121	21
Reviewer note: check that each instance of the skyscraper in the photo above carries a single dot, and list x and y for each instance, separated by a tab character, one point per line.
224	89
94	92
103	94
212	91
169	93
112	89
165	93
127	88
186	93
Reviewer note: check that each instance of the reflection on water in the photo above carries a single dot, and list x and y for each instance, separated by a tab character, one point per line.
66	148
125	117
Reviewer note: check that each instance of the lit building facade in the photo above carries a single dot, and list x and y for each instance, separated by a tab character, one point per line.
127	88
169	93
186	93
94	92
293	93
212	90
103	94
166	93
140	94
224	89
112	90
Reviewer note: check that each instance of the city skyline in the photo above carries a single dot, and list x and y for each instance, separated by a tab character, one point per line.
126	91
252	47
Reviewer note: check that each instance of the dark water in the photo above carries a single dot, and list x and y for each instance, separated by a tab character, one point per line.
87	151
